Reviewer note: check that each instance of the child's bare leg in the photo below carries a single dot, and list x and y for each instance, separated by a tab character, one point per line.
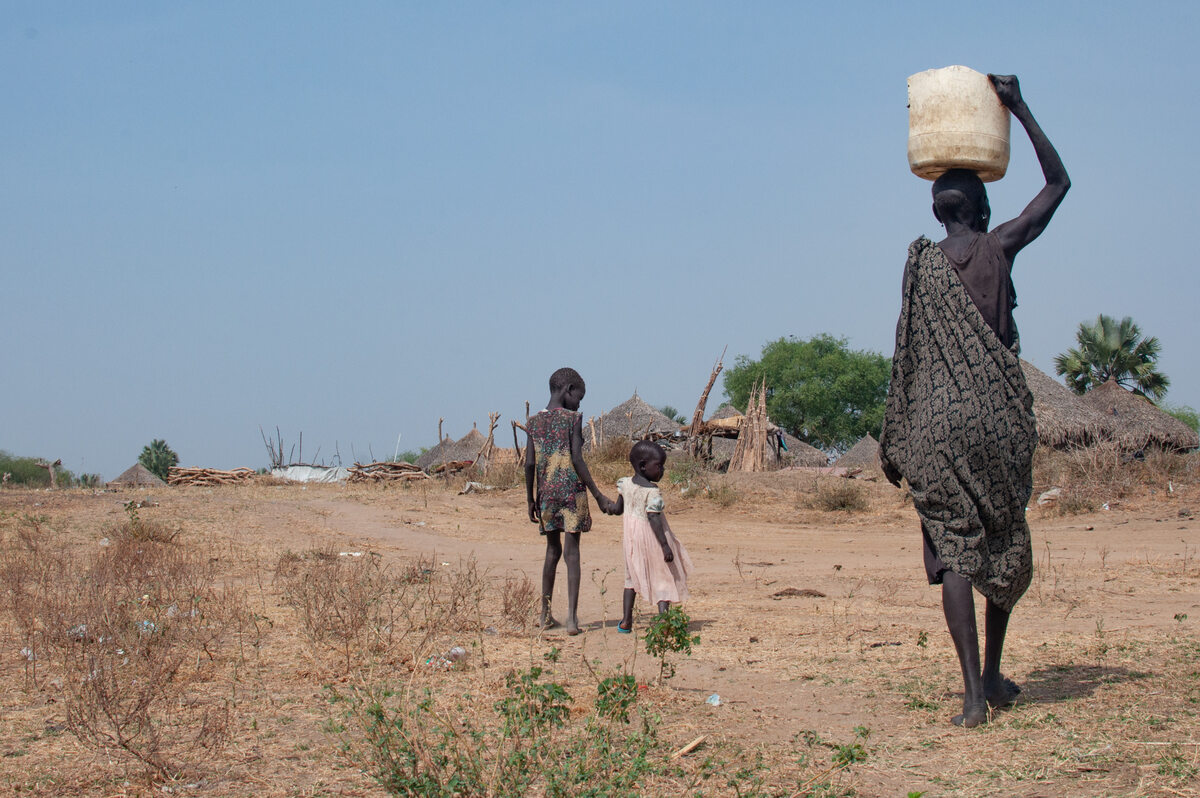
998	690
958	603
627	599
663	606
554	551
571	554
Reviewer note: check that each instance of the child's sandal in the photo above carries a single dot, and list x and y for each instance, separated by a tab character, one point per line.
622	630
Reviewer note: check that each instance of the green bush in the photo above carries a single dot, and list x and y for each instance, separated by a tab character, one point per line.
413	746
668	633
26	471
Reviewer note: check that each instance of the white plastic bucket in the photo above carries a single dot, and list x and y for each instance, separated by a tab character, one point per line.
956	121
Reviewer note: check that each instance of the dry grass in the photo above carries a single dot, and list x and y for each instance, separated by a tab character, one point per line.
1103	474
233	697
129	637
837	495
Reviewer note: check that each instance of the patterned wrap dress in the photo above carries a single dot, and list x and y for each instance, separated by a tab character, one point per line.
959	426
646	572
561	494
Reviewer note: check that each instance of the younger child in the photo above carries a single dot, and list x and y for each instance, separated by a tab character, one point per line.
656	563
555	456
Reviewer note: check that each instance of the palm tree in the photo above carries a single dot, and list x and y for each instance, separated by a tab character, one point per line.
1112	350
673	414
157	458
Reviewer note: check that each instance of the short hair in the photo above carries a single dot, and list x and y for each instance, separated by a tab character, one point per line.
645	449
563	378
966	183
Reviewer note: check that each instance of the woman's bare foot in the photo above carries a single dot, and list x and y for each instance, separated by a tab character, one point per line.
548	621
1001	692
573	629
972	715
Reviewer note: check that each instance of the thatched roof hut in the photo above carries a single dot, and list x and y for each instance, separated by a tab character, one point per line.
137	476
803	454
449	451
1137	423
725	411
1064	420
436	455
466	447
616	424
863	454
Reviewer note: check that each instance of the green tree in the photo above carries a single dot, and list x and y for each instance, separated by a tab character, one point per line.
819	390
157	457
1113	350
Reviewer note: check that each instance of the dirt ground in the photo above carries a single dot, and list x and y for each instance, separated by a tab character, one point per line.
1105	642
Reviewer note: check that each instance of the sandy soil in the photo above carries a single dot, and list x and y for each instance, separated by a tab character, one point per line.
1105	642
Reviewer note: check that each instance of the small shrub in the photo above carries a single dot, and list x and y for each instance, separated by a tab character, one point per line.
669	633
616	696
840	495
139	529
347	603
415	742
518	598
723	495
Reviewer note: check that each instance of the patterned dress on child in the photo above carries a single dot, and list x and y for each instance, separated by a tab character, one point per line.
646	572
561	494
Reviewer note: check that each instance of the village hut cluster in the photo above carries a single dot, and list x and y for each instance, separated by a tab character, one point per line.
730	439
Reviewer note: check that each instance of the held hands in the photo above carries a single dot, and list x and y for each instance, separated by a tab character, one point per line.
1007	89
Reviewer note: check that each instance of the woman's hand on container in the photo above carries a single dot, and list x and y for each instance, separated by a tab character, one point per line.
1007	89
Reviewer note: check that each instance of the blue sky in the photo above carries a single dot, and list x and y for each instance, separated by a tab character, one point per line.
351	219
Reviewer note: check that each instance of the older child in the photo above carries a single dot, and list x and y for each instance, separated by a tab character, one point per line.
555	456
656	563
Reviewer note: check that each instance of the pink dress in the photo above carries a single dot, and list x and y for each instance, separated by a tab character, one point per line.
646	572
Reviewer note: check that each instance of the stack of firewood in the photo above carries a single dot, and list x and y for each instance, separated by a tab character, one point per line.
207	476
386	472
452	467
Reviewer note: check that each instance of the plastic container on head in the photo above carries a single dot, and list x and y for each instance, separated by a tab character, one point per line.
956	121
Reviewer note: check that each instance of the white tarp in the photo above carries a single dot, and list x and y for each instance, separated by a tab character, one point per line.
311	474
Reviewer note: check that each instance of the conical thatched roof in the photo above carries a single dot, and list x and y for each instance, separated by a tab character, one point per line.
450	451
1136	422
725	411
1063	418
802	454
137	476
615	424
466	447
864	454
436	455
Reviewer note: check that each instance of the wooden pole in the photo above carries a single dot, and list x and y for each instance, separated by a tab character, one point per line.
489	445
698	416
517	445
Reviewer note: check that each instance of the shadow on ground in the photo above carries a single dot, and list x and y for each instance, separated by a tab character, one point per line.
1069	681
